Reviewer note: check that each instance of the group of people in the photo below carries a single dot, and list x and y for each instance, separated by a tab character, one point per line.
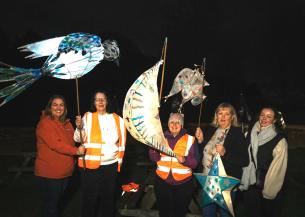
257	157
102	136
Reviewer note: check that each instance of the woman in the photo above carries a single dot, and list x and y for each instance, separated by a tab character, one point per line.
55	154
174	185
104	136
226	138
269	154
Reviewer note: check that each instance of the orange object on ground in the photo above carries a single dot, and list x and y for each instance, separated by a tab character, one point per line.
130	187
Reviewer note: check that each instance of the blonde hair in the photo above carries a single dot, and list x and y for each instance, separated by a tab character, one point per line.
234	122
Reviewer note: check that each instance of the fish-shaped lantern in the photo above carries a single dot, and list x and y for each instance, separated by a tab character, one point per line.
190	83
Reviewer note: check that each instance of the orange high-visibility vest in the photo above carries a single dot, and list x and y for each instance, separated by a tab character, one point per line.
169	164
94	144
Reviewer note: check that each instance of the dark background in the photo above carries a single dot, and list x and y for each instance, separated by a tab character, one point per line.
253	48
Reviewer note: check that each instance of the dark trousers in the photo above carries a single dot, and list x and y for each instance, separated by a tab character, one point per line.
173	200
257	206
51	191
98	191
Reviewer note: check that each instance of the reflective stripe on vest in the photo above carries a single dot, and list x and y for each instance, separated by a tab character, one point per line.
93	142
122	139
167	163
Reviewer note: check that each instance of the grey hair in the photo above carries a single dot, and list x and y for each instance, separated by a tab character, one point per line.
177	116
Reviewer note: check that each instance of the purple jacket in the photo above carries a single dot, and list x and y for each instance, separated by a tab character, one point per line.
191	160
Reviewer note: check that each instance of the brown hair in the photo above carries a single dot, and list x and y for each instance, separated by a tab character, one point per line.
47	110
279	123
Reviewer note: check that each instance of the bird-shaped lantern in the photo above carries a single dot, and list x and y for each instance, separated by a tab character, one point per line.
69	57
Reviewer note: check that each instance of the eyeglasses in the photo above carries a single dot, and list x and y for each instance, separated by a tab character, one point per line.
100	100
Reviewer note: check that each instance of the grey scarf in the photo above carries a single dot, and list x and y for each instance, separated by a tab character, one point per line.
260	136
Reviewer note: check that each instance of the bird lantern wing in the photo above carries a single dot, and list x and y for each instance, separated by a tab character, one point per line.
43	48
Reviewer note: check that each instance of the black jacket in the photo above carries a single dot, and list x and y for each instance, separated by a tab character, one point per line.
236	155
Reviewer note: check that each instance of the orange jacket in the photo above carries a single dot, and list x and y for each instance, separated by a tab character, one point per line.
55	149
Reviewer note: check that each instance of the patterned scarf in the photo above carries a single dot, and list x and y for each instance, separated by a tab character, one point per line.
209	150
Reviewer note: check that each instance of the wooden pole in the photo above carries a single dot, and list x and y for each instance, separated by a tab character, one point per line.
163	56
199	119
202	69
77	96
80	129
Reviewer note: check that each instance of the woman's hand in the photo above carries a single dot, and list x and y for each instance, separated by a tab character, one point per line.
209	165
180	159
81	150
199	135
79	122
220	149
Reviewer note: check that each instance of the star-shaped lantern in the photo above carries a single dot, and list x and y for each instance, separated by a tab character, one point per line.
217	185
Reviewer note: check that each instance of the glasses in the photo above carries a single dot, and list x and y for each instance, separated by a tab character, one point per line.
100	100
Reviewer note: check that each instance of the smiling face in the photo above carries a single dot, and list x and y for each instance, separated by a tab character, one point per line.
266	117
224	117
174	127
175	123
57	108
100	102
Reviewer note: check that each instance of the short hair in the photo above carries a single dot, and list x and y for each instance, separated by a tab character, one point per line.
47	110
234	122
109	108
176	116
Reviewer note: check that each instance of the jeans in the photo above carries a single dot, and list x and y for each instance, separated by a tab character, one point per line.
210	211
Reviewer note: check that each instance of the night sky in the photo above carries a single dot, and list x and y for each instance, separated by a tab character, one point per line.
252	48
